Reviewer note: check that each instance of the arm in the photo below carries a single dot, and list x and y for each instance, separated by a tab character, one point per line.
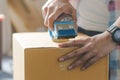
53	8
117	23
93	48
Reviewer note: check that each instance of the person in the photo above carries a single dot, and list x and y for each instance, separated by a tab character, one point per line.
93	18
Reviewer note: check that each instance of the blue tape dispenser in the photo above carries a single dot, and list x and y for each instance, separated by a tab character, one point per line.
64	28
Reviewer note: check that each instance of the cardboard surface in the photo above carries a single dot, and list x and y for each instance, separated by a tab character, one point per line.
35	58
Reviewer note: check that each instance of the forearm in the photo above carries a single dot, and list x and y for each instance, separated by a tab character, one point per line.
117	22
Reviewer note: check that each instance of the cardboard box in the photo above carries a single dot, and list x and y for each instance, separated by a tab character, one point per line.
35	58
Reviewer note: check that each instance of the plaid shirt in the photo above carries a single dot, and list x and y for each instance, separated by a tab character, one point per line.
114	67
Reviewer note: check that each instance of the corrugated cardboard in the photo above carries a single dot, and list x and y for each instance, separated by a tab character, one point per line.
35	58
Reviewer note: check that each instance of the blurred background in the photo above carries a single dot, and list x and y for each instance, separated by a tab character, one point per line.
19	16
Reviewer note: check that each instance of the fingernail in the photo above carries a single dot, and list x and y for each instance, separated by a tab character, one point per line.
59	45
70	67
61	59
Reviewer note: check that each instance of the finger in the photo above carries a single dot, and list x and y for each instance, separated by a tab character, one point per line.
44	11
81	60
45	8
53	16
74	64
71	11
90	62
74	43
50	10
74	53
74	15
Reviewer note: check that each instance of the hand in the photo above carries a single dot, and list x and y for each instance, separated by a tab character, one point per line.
90	50
53	8
1	17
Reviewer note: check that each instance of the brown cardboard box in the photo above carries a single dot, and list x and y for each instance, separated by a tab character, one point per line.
35	58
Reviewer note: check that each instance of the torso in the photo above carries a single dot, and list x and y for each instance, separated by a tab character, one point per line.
94	14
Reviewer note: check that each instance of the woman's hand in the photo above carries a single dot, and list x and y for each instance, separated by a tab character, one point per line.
91	50
53	8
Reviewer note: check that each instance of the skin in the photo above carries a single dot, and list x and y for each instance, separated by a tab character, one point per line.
93	48
53	8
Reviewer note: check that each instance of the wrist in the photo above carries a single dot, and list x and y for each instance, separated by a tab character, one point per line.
108	37
115	33
114	30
